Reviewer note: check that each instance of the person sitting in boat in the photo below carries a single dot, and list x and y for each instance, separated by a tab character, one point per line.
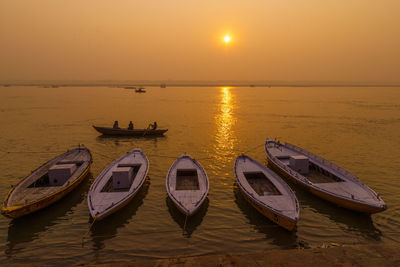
115	126
152	126
130	127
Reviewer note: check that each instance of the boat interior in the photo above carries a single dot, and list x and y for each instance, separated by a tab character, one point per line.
44	180
187	179
261	184
108	187
316	174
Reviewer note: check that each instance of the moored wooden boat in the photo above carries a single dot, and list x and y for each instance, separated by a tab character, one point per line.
117	184
47	184
267	192
128	132
187	184
322	178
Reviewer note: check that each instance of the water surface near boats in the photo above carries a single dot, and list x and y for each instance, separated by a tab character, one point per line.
356	128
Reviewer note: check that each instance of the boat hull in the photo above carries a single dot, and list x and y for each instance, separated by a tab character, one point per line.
199	195
126	132
352	205
183	210
118	201
19	211
118	207
282	221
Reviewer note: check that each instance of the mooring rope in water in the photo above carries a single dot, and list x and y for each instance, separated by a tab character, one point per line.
83	237
34	152
184	225
105	156
250	149
161	156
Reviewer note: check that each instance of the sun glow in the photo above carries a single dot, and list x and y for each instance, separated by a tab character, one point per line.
227	39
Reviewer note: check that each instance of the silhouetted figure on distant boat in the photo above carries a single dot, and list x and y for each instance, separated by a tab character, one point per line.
152	126
115	126
130	127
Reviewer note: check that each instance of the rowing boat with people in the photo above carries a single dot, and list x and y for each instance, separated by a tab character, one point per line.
129	132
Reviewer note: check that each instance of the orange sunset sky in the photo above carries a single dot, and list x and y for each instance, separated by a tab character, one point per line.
353	40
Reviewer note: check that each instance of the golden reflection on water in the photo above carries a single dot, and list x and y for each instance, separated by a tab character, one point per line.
225	120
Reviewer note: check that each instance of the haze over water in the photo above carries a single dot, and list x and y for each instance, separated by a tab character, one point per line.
357	128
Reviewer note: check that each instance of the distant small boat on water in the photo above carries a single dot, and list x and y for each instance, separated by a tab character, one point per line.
47	184
140	90
322	178
128	132
117	184
267	192
187	184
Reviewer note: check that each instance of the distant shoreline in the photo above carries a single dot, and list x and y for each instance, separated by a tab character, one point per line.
122	84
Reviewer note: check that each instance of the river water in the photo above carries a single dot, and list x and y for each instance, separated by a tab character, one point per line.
357	128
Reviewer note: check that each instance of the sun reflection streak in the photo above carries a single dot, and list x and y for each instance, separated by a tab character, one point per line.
225	120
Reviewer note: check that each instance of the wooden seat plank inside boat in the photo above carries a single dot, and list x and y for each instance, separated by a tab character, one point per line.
346	189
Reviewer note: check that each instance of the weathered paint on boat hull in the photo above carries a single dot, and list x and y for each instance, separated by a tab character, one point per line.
19	211
352	205
117	208
282	221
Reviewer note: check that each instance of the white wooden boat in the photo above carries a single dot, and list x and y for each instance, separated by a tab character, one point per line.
267	192
48	183
322	178
117	184
187	184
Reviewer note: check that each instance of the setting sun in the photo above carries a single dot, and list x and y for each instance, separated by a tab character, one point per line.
227	39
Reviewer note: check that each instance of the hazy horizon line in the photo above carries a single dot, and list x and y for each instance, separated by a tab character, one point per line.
196	83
